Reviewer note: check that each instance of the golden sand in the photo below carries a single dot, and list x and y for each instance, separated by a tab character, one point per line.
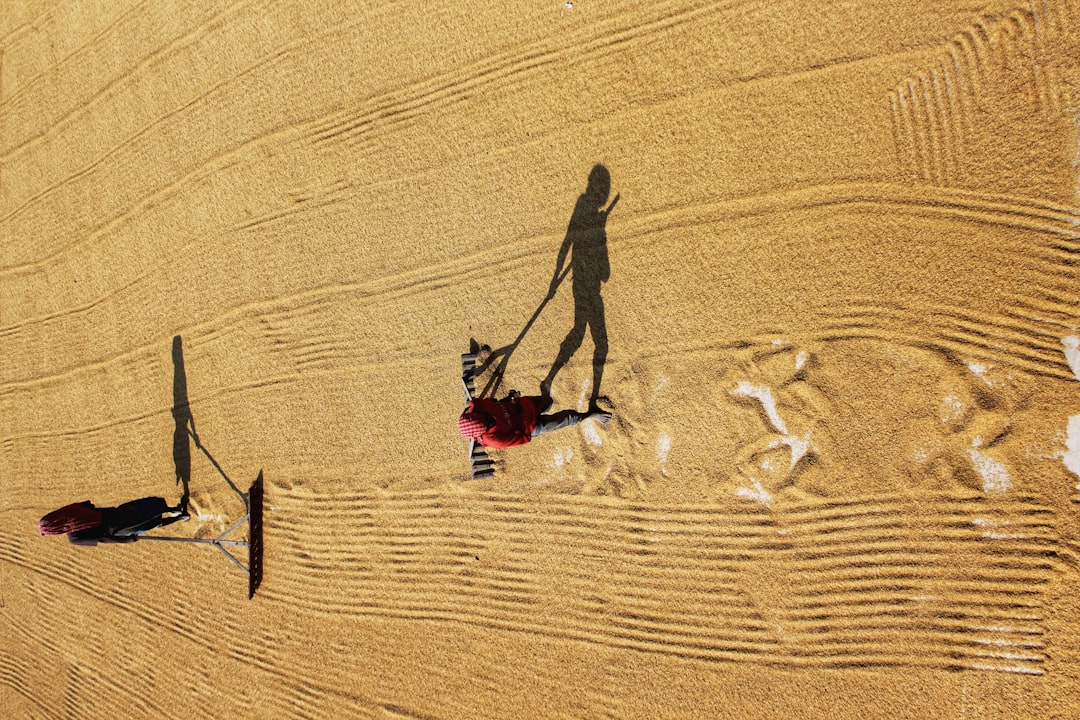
842	317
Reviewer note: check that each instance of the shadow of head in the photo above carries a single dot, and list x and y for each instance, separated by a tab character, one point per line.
599	185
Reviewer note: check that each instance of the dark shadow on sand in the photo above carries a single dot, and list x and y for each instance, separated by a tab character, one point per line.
586	246
584	256
185	429
181	413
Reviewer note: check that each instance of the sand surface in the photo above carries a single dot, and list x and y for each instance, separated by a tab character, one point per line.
843	318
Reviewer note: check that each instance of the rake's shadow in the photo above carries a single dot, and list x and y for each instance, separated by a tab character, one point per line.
500	357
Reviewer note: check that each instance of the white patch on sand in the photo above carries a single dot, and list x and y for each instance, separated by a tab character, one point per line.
1003	536
1017	669
801	359
592	435
920	455
952	409
1071	457
584	392
755	492
980	370
203	517
799	447
663	447
998	629
763	395
607	471
563	456
1010	656
1071	343
660	385
994	475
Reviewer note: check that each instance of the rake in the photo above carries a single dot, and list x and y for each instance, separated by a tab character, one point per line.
253	499
482	465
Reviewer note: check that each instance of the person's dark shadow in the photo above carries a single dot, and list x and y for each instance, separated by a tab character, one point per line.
584	253
181	413
185	429
585	245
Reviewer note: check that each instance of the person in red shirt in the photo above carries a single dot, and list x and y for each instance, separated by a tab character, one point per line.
517	419
86	524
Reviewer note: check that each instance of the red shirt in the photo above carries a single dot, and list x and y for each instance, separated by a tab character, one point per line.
515	420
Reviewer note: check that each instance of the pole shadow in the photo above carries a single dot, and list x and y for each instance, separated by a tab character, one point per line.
584	256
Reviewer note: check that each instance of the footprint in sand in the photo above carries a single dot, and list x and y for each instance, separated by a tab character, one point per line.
772	379
1071	455
207	511
622	456
978	407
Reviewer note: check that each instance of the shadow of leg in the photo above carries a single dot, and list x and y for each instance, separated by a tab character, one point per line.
569	346
598	326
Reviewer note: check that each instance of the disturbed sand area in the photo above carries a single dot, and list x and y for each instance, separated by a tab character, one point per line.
844	357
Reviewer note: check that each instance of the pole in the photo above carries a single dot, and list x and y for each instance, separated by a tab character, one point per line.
216	542
201	541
